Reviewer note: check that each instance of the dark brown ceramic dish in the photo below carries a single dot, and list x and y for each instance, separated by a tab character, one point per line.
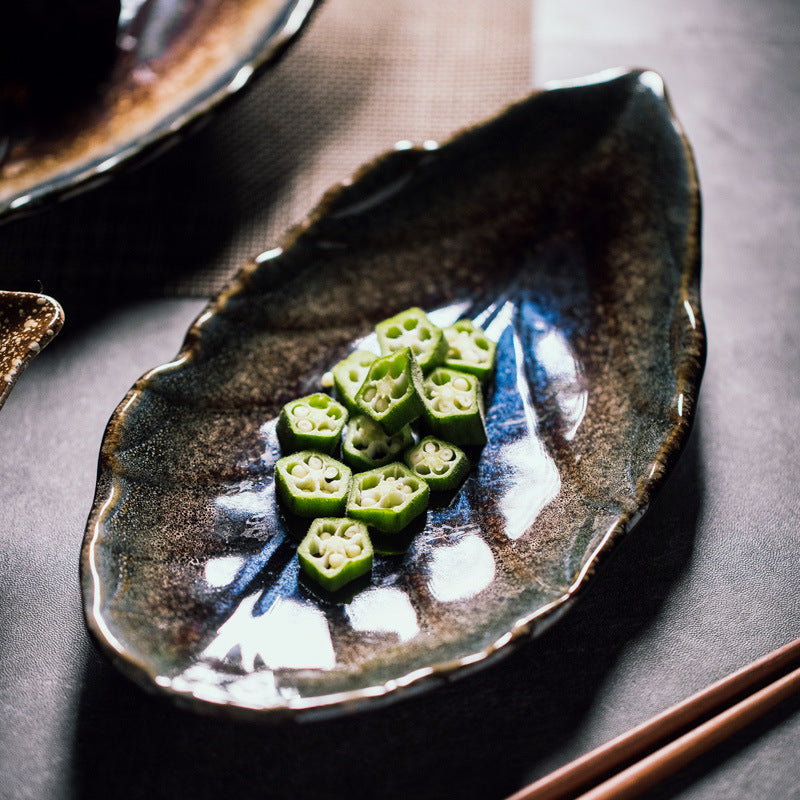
569	226
175	63
28	323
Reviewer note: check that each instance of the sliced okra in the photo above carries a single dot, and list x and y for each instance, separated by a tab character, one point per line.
311	423
335	551
454	406
312	484
390	394
469	349
366	445
412	328
349	374
441	464
388	498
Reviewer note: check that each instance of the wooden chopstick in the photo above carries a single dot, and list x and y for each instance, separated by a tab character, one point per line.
682	732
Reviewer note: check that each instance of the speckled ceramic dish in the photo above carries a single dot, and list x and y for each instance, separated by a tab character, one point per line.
569	227
28	323
175	63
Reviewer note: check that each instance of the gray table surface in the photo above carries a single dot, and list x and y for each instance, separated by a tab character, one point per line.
707	582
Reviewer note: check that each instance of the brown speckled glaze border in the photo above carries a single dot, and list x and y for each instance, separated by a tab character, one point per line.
569	227
158	89
28	323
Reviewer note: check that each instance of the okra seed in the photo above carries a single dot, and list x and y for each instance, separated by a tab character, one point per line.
462	384
315	462
391	499
300	411
381	404
306	484
298	471
446	454
336	560
430	447
369	498
352	550
305	425
331	473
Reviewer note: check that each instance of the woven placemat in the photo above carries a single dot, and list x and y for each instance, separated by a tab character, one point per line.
364	75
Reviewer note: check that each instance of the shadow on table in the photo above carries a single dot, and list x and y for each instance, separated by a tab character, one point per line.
484	735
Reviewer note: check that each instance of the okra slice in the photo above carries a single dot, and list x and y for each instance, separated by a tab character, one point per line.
335	551
412	328
314	422
366	445
312	484
391	392
388	498
441	464
469	349
454	406
349	374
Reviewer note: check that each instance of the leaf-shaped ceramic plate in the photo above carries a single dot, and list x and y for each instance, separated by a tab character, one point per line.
569	228
176	62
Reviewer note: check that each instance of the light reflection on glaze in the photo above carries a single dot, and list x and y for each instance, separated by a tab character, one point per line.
221	571
247	503
383	609
536	483
564	374
288	635
515	469
461	570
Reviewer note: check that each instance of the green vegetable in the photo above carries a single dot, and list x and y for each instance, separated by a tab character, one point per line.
454	406
349	374
469	349
335	551
412	328
366	445
311	423
388	498
312	484
441	464
390	394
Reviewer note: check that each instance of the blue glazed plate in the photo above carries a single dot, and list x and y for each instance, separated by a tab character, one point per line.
176	62
569	228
